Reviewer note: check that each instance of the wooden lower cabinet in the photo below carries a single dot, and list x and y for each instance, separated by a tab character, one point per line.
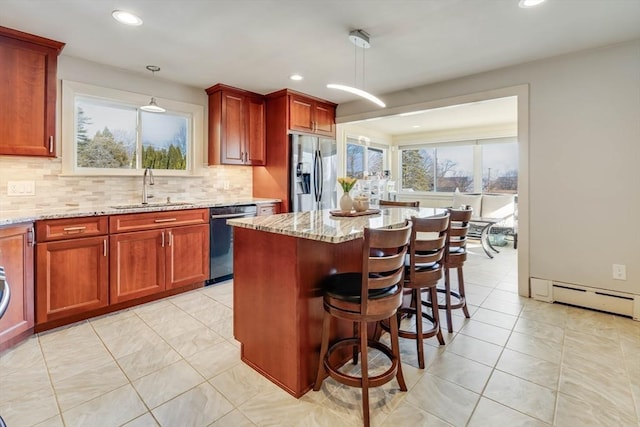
72	277
90	266
16	256
187	258
137	264
147	262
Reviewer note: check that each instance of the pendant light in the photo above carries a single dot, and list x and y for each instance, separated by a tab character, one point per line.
153	107
361	40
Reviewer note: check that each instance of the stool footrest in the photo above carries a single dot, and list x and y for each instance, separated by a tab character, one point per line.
356	381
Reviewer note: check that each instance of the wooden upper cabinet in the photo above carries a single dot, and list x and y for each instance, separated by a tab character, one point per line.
236	126
27	93
310	115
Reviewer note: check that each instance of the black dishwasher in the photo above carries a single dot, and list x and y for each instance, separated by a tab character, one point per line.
221	239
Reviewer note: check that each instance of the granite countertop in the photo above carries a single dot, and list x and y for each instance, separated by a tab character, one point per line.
78	210
322	226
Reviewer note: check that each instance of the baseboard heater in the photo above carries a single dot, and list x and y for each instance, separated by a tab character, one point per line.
583	296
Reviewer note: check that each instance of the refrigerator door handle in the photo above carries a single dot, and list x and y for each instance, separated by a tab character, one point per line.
315	175
320	178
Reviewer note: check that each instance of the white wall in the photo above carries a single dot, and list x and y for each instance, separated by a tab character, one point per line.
583	131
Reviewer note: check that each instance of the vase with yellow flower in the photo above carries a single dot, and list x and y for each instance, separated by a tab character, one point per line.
347	183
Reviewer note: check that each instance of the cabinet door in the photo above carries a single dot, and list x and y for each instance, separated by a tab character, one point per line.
16	255
187	255
137	264
27	98
255	141
325	119
233	129
300	114
72	277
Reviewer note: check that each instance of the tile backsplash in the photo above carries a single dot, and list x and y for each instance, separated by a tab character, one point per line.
52	190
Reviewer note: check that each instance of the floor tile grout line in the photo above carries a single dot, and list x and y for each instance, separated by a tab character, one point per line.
53	389
125	373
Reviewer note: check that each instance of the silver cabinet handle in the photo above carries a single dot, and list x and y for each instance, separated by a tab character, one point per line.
6	292
51	143
30	239
165	220
79	229
170	238
104	247
163	239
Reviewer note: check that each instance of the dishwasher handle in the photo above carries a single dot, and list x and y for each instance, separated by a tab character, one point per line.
236	215
6	293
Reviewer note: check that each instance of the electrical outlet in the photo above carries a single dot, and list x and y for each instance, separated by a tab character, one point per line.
226	185
619	272
21	188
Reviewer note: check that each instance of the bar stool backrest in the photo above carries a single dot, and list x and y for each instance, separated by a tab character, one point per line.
383	257
426	250
457	234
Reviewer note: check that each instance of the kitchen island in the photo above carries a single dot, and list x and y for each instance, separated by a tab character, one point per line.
279	261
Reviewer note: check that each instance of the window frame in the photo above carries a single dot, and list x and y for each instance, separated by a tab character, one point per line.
71	89
477	161
367	144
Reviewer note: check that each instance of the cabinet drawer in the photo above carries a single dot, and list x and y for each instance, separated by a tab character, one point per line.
268	210
70	228
153	220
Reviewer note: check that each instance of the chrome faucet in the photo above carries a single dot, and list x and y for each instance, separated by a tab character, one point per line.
146	196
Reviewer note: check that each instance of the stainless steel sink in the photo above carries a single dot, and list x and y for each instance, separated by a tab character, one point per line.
151	205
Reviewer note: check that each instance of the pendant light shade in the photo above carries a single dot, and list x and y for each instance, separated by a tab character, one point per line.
361	40
359	92
153	106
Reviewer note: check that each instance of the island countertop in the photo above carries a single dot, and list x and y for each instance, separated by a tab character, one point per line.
324	227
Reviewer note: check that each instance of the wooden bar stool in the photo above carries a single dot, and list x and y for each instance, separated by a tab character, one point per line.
408	204
455	257
372	295
423	270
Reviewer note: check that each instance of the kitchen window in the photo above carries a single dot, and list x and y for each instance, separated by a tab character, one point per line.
364	159
469	166
106	133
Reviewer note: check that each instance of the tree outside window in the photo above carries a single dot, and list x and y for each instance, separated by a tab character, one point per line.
361	159
108	137
445	168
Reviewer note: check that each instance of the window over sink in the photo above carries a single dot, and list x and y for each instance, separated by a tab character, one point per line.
106	133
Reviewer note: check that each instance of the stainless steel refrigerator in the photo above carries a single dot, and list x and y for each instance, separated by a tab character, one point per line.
313	173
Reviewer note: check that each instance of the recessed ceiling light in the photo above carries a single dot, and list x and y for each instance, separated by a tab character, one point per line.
529	3
126	18
296	77
416	126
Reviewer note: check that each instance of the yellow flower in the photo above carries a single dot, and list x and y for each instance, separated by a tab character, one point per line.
347	183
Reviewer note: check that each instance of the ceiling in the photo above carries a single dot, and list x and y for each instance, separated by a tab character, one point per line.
257	44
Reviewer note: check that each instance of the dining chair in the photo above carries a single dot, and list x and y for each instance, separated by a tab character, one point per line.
368	296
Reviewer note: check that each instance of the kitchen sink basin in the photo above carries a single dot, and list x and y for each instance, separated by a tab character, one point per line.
151	205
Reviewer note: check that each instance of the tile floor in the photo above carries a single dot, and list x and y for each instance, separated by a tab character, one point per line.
516	362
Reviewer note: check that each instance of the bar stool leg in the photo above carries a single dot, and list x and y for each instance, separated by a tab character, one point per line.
433	296
324	347
461	292
415	296
395	349
364	363
447	287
